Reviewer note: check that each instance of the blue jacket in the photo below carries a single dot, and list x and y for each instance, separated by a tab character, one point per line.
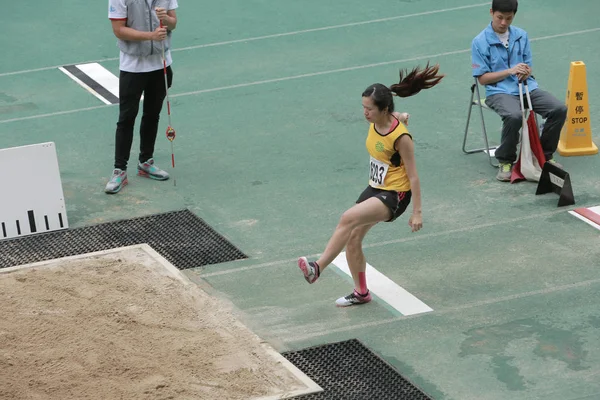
488	54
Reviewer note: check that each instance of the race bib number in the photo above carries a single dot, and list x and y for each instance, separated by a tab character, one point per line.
377	173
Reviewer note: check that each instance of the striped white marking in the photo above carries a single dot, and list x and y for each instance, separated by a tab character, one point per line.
584	219
83	85
101	75
386	289
105	81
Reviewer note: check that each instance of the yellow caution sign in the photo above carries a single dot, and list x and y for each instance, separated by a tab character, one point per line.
576	135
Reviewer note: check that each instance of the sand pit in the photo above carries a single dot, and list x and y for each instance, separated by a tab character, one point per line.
125	324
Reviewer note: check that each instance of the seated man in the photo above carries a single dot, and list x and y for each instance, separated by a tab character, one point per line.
501	57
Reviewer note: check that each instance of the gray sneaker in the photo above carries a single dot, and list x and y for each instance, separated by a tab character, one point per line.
116	182
150	170
504	172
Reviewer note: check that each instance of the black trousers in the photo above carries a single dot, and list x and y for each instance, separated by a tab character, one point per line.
131	87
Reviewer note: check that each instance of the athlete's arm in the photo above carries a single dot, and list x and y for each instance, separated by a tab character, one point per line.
406	148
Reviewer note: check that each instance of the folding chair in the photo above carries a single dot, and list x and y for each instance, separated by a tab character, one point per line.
480	103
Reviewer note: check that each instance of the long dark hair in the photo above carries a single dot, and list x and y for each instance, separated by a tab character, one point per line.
410	84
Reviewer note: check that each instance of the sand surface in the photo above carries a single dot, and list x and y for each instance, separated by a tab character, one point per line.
121	326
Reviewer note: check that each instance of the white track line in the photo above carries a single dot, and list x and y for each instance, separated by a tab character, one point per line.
54	114
273	36
332	71
241	85
354	327
26	71
395	241
326	28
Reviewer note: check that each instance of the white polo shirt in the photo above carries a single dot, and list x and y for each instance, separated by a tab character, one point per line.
117	10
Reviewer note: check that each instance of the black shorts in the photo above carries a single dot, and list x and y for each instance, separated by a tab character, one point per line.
397	202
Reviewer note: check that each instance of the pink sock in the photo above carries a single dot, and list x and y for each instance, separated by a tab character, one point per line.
362	279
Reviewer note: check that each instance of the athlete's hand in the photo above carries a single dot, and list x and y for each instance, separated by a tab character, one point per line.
415	222
402	117
159	34
161	13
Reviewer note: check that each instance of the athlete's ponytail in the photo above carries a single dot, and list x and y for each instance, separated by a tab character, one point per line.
416	80
410	83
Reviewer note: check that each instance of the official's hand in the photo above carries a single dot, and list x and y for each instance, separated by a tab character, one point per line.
159	34
415	222
161	13
528	74
520	70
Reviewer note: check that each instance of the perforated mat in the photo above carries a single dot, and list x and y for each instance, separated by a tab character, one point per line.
180	236
350	371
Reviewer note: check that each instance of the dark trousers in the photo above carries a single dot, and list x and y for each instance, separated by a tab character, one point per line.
509	108
131	87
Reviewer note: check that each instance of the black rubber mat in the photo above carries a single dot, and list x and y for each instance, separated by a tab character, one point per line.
350	371
181	237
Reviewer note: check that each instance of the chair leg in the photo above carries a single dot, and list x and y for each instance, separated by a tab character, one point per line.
485	149
464	146
492	160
